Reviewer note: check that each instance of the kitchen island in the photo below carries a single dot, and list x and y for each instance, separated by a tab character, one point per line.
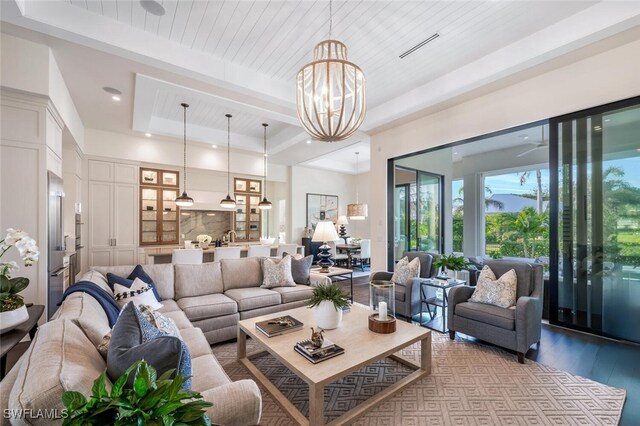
164	254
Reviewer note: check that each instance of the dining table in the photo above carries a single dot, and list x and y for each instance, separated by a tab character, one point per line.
349	249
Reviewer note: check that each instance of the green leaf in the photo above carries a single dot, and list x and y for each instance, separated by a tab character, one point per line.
142	380
73	400
116	389
99	389
18	284
5	284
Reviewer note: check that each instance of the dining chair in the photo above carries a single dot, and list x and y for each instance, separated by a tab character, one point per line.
259	251
186	257
226	253
286	248
338	258
364	256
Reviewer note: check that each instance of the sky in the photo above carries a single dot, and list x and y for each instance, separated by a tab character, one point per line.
510	183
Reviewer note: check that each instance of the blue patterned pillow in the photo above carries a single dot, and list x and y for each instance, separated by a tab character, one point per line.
138	272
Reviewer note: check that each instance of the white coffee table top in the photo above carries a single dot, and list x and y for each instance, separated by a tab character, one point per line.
362	346
334	270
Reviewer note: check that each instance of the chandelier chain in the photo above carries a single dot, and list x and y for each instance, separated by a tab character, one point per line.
229	153
330	18
184	172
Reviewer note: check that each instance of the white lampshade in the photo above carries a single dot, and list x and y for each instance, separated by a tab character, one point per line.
342	220
325	231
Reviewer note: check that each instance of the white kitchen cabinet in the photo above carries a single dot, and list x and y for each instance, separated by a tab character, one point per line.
113	214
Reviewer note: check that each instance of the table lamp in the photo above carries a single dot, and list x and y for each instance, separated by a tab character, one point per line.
342	221
325	231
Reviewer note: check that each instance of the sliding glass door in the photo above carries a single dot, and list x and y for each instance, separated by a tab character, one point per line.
595	189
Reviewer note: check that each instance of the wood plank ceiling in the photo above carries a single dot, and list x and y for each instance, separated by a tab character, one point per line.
276	38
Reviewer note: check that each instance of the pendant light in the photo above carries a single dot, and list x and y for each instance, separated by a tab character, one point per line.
357	211
265	204
184	200
330	92
228	202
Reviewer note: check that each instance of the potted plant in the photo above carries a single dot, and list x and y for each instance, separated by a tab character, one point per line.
13	312
328	301
151	401
450	262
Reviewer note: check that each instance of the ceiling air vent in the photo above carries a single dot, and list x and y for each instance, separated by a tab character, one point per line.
419	45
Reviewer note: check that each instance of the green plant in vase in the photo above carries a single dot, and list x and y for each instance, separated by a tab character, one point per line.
450	262
328	301
150	401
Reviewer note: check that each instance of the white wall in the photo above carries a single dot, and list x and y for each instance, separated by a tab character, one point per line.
602	78
314	181
170	152
360	228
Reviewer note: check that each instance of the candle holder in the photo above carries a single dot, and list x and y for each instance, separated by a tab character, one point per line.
382	302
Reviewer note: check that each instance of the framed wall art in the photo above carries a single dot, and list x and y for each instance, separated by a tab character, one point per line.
321	207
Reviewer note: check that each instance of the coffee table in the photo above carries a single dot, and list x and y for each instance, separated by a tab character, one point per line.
362	347
337	275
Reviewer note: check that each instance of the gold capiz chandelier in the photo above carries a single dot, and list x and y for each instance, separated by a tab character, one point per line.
330	93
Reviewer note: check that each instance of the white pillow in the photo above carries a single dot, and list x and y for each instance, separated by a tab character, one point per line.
499	292
406	271
277	273
139	293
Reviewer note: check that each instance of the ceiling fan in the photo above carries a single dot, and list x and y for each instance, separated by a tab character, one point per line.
536	146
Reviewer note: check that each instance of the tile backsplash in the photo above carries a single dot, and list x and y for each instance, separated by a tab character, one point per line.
196	222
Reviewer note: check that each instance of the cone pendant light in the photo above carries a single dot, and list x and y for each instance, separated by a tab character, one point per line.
184	200
228	202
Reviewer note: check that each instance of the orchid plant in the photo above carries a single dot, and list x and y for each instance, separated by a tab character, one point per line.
10	287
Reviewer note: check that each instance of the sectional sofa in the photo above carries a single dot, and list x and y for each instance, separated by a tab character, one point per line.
205	301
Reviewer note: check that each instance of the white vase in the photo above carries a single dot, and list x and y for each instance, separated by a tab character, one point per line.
327	316
11	319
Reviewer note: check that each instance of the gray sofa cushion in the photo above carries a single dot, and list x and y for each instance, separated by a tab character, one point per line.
179	318
253	298
169	305
129	344
488	314
293	294
241	273
301	268
207	306
198	280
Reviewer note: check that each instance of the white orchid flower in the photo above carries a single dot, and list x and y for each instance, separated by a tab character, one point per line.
14	235
6	268
29	251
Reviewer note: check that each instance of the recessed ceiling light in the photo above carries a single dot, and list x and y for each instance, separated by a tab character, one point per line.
266	155
115	98
597	128
153	7
112	90
214	146
606	120
148	135
211	214
309	141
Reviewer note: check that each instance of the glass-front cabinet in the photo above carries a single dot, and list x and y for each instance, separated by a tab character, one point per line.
247	217
158	211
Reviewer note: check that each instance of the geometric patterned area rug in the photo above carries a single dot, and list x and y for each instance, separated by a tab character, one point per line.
470	384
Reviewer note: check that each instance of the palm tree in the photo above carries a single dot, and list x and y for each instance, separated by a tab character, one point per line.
523	179
488	201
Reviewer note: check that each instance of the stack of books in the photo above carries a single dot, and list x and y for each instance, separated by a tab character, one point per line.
308	350
277	326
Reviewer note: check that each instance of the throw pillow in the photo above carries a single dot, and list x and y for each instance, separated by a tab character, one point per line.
159	321
134	338
300	268
277	274
138	272
499	292
406	271
139	293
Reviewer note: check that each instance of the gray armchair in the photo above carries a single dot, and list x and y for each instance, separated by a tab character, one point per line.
408	296
516	329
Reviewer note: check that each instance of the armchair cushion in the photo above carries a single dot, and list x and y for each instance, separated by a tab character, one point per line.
426	261
526	274
488	314
499	292
406	271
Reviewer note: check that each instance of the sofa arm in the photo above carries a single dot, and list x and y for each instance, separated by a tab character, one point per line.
528	322
235	404
459	294
316	278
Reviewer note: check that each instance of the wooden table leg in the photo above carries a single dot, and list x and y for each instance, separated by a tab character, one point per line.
242	344
425	354
316	405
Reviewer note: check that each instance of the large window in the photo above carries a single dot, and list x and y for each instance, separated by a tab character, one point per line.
516	214
457	214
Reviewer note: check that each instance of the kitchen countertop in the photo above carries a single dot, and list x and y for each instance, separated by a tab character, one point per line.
164	251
